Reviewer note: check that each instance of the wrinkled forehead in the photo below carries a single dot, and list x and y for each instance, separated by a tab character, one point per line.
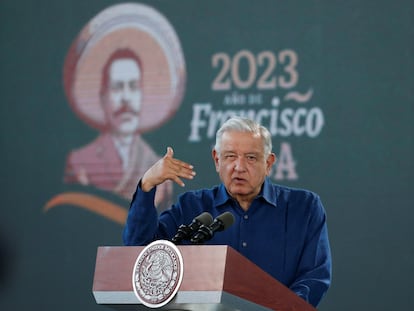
241	142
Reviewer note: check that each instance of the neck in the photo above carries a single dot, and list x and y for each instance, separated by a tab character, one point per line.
123	139
244	203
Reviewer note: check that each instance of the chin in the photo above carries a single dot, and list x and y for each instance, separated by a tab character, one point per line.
239	190
127	129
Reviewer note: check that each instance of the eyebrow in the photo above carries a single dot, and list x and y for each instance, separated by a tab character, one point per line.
246	153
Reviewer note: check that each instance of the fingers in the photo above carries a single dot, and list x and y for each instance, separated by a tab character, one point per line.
167	168
177	169
170	152
176	164
184	174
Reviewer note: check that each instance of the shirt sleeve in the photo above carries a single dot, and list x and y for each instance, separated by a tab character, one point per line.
314	271
142	220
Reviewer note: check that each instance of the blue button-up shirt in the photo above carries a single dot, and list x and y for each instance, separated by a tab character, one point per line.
284	231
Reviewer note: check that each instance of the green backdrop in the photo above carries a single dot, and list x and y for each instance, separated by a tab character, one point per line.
352	144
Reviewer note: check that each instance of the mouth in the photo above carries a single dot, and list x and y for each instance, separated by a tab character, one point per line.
127	115
239	180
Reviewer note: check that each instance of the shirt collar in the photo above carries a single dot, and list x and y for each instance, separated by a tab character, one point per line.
268	193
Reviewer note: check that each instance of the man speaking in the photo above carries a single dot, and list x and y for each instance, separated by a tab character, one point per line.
283	230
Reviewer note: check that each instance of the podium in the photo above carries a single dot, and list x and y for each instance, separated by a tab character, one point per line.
215	278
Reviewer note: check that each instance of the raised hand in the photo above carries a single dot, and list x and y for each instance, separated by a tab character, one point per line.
167	168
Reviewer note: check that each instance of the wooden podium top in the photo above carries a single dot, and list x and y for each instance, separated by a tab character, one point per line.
216	277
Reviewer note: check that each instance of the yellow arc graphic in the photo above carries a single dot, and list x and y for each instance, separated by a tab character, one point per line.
89	202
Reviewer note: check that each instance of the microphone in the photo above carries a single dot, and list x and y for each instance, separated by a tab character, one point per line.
184	232
206	232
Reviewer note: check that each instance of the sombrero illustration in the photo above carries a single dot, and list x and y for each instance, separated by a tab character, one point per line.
146	32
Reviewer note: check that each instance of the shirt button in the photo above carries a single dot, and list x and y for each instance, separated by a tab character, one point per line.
246	216
244	244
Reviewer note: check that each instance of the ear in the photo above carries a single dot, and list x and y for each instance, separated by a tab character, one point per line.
214	154
271	159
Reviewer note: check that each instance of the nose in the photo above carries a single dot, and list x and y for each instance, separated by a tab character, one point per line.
239	164
126	93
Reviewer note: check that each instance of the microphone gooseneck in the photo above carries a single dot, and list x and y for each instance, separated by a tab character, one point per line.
185	232
206	232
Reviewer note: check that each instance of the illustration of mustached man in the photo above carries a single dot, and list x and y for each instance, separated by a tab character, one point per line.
119	154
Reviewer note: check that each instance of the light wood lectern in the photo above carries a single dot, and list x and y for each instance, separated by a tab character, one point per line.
215	278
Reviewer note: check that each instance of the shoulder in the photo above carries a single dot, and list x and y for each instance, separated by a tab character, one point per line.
94	149
298	199
140	143
292	192
144	151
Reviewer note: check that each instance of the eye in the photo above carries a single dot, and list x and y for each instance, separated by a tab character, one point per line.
251	158
134	85
116	86
230	157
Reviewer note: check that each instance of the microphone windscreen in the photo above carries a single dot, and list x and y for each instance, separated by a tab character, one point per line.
227	219
205	218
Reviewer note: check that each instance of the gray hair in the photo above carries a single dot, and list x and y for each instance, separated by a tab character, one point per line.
240	124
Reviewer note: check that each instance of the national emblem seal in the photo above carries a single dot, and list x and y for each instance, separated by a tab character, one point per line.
157	273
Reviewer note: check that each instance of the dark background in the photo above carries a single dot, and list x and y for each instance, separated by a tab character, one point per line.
357	56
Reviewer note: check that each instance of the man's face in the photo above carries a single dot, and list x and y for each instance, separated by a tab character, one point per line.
242	165
122	100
